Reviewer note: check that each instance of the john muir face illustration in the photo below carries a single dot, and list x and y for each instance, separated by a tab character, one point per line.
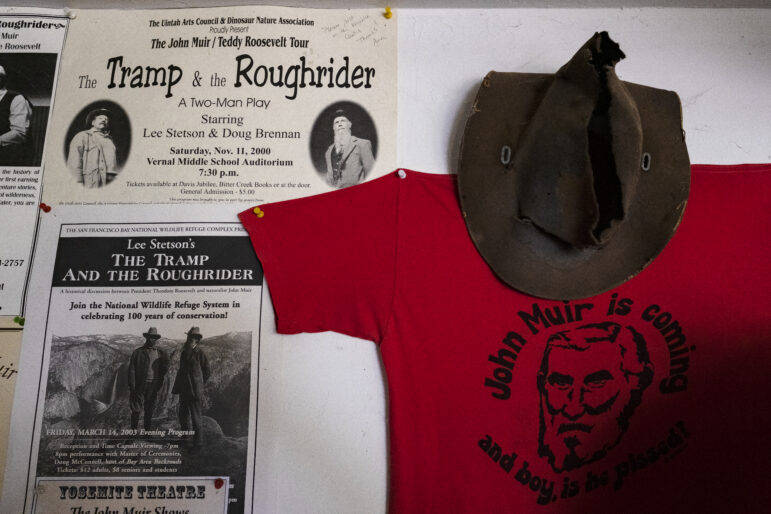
591	380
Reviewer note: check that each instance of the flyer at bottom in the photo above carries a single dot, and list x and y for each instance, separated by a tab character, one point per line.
147	388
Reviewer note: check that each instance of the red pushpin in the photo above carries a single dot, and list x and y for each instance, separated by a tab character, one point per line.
45	208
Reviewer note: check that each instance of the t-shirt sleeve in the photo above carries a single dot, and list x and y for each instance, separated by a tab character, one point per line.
329	260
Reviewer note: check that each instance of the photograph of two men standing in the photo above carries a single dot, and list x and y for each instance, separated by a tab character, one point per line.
147	370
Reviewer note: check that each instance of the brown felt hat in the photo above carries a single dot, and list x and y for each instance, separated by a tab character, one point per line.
571	183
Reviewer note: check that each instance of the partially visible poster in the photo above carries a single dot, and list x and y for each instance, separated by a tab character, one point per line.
10	343
146	394
30	45
242	104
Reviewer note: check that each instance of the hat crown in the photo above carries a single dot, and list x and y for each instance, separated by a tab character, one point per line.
194	331
580	154
152	332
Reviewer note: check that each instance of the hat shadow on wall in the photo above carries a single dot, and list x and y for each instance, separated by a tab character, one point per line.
459	125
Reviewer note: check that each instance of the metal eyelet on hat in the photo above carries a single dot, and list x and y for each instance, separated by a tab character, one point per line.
646	161
505	155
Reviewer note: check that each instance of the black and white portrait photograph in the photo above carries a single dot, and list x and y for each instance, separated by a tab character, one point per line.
97	143
26	86
344	144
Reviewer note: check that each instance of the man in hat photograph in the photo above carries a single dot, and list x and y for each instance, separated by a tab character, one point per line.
349	158
16	147
146	371
189	385
92	156
591	381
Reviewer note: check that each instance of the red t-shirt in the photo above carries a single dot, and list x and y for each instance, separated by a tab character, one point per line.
647	398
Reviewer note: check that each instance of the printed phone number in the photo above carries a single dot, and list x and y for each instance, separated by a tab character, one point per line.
11	263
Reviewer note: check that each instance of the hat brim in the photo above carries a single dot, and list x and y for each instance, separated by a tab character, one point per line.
530	260
151	336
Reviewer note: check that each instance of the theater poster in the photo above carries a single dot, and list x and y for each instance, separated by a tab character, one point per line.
145	395
242	104
30	45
